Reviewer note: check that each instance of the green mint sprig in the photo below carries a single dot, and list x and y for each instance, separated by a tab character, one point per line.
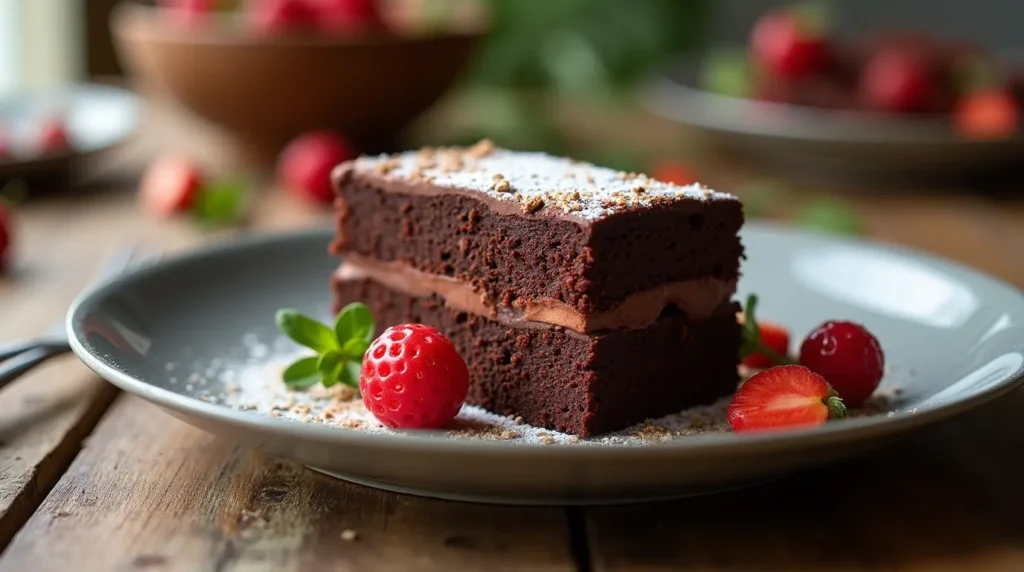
339	350
751	336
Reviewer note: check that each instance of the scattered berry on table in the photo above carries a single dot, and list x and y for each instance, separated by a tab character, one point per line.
169	186
305	165
5	235
53	135
848	356
783	397
413	378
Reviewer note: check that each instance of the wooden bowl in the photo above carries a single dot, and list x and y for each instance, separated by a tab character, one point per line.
266	90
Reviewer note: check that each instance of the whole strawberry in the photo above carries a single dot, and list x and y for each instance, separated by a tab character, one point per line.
413	378
848	356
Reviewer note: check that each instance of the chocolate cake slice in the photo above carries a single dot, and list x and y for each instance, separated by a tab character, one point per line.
582	299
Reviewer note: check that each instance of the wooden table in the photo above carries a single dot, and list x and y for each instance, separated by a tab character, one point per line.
94	480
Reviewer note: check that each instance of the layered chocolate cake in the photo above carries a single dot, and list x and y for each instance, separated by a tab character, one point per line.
582	299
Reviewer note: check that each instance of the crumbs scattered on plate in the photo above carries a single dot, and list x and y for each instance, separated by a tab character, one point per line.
254	384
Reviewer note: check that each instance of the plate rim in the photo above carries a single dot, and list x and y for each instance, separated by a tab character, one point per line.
720	444
665	94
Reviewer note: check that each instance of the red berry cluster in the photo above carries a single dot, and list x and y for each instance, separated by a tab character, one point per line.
796	61
840	364
283	16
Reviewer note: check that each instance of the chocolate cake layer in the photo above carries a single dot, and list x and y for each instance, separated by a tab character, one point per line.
527	227
563	380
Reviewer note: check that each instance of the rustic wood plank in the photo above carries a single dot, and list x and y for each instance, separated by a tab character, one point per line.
947	500
149	491
45	415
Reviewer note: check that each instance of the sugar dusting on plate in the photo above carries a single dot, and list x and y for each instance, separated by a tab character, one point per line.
254	384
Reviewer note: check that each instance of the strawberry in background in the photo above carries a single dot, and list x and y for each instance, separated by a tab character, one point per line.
280	16
347	16
790	43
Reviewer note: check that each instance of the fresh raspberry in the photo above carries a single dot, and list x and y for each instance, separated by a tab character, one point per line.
674	172
784	45
305	165
776	338
53	136
846	355
897	81
346	16
413	378
280	16
987	114
169	185
783	397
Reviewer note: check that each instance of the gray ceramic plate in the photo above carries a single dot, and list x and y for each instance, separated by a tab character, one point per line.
954	338
820	140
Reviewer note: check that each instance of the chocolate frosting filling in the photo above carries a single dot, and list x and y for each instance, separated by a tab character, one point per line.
699	298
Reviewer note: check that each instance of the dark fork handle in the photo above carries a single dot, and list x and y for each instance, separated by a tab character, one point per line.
26	360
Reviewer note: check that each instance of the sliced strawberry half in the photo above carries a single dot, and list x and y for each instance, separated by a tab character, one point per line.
170	185
781	397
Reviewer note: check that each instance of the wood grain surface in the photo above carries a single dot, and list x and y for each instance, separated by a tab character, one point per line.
151	492
142	491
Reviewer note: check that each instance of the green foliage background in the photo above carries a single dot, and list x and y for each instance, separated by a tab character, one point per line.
579	45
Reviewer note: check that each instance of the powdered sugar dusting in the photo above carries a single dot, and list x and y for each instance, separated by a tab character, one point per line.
254	384
537	181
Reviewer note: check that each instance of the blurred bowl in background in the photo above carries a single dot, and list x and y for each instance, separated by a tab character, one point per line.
263	91
835	142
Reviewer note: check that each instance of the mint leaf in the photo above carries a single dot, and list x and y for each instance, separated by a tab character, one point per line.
355	322
302	374
339	351
220	203
355	349
329	365
350	373
306	331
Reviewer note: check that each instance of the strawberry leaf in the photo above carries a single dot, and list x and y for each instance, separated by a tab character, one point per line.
302	374
750	341
350	373
306	331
